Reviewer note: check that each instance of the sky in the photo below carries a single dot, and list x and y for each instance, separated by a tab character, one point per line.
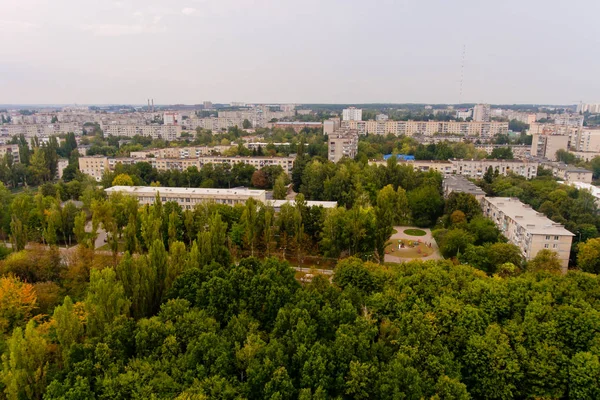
304	51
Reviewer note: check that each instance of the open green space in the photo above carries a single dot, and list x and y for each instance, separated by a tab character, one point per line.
415	232
409	250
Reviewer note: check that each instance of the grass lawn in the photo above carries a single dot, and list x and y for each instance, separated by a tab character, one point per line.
419	251
415	232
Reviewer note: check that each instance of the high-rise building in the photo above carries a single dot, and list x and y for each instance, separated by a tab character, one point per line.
170	118
342	143
481	113
569	120
331	125
547	145
352	114
590	108
464	114
208	105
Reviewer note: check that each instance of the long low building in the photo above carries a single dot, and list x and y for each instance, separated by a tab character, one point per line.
276	204
428	128
460	184
96	166
473	168
166	132
528	229
187	198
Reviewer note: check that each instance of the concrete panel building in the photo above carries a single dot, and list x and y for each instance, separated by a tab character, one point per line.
546	146
460	184
166	132
528	229
352	114
187	198
331	125
342	143
94	166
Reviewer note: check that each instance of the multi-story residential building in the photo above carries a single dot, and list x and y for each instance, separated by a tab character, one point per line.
538	128
460	184
94	166
286	163
166	132
528	229
546	146
263	145
12	150
586	140
342	143
569	120
569	173
352	114
207	105
180	152
359	126
297	126
430	128
171	118
60	167
588	107
331	125
187	198
518	150
481	113
381	117
39	130
473	168
464	114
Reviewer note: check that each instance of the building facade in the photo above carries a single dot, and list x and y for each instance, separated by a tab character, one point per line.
528	229
342	143
481	113
166	132
187	198
546	146
352	114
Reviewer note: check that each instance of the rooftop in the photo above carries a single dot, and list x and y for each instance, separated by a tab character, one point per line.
152	190
459	183
309	203
533	221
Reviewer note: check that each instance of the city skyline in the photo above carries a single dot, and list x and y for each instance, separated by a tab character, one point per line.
123	52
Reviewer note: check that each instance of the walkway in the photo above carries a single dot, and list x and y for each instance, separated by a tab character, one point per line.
428	238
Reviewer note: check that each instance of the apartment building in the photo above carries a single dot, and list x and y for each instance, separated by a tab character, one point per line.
472	168
586	139
460	184
481	113
588	107
546	146
12	150
518	150
352	114
180	152
359	126
94	166
60	167
263	145
187	198
297	126
286	163
331	125
429	128
342	143
171	118
528	229
569	173
569	120
31	130
166	132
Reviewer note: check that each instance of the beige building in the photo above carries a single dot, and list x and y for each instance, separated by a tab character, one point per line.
518	150
187	198
94	166
166	132
569	173
546	146
12	149
481	113
586	140
180	152
331	125
528	229
342	143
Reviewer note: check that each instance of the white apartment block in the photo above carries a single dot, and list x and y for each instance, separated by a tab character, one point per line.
171	118
32	130
569	120
342	143
166	132
528	229
352	114
481	113
187	198
464	114
518	150
589	107
472	168
429	128
180	152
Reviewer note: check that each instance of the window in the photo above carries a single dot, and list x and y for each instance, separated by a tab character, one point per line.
555	237
548	237
546	245
554	246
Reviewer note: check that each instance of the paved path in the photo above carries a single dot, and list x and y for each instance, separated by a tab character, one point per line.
427	238
100	239
320	271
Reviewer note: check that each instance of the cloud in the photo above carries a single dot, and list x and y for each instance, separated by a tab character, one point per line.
16	26
122	29
188	11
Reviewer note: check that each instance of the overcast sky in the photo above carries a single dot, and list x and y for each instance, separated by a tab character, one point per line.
305	51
